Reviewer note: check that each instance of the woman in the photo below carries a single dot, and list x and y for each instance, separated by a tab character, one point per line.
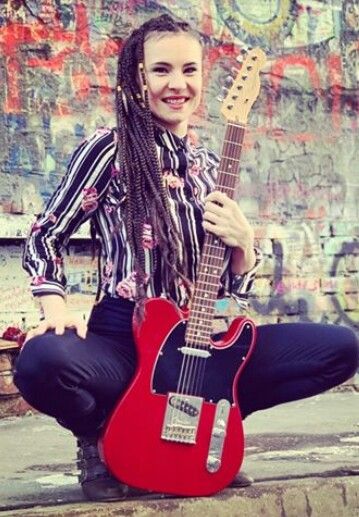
149	194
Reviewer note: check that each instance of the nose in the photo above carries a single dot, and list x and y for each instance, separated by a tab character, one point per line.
177	81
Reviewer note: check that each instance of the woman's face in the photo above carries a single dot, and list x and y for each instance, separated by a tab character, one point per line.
173	68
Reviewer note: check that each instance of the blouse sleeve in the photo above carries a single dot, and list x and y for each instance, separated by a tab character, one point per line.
74	201
238	286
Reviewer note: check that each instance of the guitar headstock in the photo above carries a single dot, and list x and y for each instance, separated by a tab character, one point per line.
245	88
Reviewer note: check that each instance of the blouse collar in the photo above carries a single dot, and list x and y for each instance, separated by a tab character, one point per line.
166	138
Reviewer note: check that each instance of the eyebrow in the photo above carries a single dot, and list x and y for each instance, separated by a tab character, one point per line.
163	63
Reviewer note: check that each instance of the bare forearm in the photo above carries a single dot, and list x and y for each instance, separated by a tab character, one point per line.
57	317
53	305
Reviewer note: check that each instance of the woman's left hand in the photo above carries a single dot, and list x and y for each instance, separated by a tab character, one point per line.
223	217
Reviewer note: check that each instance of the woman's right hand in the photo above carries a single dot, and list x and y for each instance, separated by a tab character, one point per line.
57	318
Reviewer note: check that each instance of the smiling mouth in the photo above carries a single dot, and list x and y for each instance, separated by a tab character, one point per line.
175	101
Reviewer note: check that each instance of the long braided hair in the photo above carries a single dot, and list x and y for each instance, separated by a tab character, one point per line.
146	197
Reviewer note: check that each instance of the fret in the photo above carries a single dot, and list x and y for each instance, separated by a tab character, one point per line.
233	142
203	301
203	312
208	265
230	158
207	283
201	324
199	333
213	257
202	272
199	330
220	250
211	269
198	338
219	260
196	330
234	174
207	297
236	125
205	317
228	155
217	244
198	308
214	241
236	148
203	340
214	275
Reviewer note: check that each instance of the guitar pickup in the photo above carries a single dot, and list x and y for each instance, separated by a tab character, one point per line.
181	418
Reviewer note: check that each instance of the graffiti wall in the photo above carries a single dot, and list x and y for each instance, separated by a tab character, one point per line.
299	180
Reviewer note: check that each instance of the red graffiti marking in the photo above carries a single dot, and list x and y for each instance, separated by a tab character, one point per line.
15	35
67	46
277	74
335	78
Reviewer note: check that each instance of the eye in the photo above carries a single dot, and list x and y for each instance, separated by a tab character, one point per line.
160	70
190	70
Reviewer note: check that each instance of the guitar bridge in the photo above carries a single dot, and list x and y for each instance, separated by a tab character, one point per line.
181	418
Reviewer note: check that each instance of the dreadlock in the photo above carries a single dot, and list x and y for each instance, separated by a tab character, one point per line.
146	197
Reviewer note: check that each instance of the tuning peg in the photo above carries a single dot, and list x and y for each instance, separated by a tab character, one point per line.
228	81
223	94
241	55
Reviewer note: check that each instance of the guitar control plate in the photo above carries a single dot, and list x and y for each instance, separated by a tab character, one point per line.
181	418
219	431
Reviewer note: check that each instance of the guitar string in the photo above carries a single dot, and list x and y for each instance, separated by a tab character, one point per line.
201	374
199	384
199	377
192	364
202	361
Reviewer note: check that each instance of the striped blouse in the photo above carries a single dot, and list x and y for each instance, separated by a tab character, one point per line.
92	189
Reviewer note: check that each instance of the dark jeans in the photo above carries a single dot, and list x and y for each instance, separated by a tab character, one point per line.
78	381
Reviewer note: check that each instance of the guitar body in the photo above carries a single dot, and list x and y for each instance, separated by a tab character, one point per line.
133	445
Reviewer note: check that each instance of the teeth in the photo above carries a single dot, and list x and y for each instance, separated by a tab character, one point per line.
175	101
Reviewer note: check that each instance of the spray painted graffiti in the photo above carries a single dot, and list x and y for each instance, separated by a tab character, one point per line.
58	67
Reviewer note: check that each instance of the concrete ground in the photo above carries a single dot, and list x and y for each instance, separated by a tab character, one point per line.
304	457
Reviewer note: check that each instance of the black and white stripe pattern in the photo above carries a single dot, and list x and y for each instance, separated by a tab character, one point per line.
189	174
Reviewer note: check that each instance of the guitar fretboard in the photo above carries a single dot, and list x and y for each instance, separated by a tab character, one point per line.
199	326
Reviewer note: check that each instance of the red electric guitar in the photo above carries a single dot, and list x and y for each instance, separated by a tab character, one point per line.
178	428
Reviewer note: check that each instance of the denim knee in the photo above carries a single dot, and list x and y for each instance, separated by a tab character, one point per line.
348	350
39	362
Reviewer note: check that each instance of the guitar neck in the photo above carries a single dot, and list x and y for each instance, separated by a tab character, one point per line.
199	327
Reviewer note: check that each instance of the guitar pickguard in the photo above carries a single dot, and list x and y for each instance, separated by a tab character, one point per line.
176	372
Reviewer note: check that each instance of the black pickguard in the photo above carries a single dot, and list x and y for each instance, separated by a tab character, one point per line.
219	369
